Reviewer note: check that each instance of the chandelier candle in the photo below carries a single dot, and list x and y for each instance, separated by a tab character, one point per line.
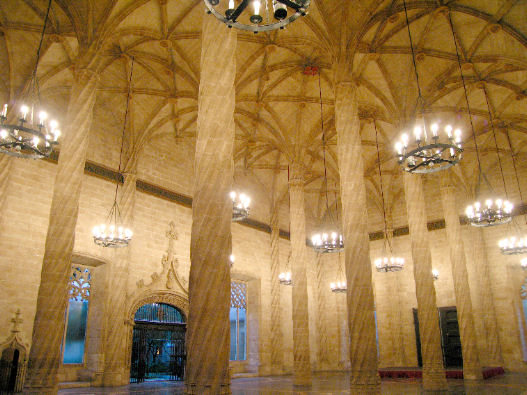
494	212
524	263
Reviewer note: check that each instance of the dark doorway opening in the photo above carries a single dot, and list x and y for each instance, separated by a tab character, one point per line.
9	369
158	344
450	338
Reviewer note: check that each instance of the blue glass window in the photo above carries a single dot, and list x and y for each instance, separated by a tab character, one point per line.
238	321
77	316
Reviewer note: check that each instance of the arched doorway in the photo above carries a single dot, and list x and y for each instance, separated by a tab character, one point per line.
158	343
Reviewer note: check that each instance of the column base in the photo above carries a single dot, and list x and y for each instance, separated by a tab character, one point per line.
115	379
365	382
434	380
41	381
472	373
302	381
204	389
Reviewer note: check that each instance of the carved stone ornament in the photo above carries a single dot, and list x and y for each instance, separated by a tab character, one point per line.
12	343
169	277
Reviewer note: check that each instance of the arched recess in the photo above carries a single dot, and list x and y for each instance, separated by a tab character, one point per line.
13	360
167	297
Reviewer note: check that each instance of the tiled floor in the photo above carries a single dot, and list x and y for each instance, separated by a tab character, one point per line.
323	383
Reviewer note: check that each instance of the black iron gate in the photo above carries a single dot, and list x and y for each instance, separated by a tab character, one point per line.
158	352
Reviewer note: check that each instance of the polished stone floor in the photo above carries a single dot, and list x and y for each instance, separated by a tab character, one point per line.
323	383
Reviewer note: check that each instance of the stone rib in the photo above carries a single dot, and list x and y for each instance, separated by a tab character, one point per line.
277	351
302	363
48	329
433	370
467	329
361	321
209	282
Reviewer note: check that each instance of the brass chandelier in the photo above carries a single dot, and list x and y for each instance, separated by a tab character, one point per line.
241	204
259	15
33	135
113	233
325	242
430	150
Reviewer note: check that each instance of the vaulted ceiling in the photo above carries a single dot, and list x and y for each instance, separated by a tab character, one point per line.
274	97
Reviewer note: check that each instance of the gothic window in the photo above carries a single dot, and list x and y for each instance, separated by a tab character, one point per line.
77	315
238	320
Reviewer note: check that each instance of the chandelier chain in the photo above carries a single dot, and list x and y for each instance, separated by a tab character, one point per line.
491	117
465	91
420	97
382	188
122	137
35	79
323	141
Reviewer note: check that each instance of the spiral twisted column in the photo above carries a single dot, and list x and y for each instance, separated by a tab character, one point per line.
487	292
115	366
301	362
277	351
5	168
433	370
361	320
322	320
48	328
210	245
467	328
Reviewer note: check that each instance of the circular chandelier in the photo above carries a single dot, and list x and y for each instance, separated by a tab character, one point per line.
338	287
391	264
513	245
324	244
494	212
242	15
28	138
285	278
113	233
435	274
31	136
388	263
523	263
429	153
240	206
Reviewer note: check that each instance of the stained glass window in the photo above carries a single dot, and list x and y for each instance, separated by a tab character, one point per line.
77	315
238	320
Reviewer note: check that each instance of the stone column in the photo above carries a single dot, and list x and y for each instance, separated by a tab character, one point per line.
209	282
433	370
486	291
467	329
48	329
361	320
277	350
297	217
322	320
115	366
5	168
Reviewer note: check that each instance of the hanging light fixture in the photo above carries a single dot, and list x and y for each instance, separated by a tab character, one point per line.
285	277
32	136
113	233
249	14
435	274
435	146
340	285
232	258
517	244
325	242
523	263
388	262
240	206
493	211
